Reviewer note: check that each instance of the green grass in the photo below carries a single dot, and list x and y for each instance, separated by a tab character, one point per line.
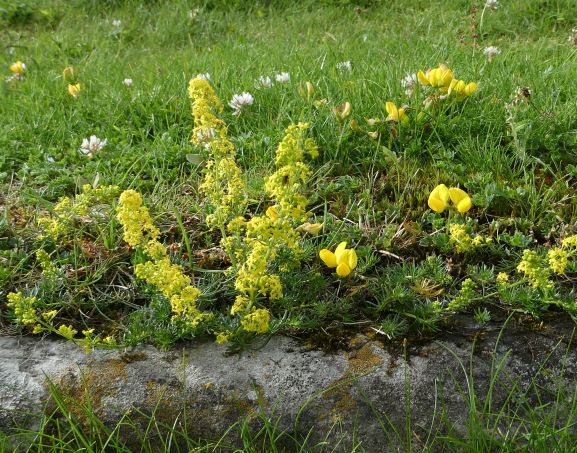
518	163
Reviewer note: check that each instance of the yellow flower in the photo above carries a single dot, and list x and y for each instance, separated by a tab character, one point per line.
345	260
439	198
68	74
460	199
460	89
67	332
272	213
395	114
18	67
440	195
311	228
257	321
439	77
74	89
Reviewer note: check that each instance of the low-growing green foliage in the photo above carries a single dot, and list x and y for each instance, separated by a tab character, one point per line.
437	140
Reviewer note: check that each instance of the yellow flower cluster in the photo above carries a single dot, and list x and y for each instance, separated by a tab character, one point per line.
168	278
27	312
442	79
24	308
82	208
252	278
257	321
465	296
49	269
559	257
502	279
287	184
135	218
535	270
266	235
463	241
223	185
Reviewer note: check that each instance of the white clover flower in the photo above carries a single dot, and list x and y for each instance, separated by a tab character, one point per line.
116	23
345	66
205	76
127	82
492	4
408	83
283	77
263	82
491	51
240	101
90	146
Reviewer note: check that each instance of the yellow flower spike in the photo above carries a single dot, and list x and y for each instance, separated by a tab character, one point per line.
439	198
461	199
74	89
328	258
68	74
395	114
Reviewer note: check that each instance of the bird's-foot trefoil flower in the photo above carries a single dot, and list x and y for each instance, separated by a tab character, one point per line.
441	194
439	77
343	259
396	114
18	68
460	90
74	89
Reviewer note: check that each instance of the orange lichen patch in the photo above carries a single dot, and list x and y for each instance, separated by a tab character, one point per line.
362	358
95	382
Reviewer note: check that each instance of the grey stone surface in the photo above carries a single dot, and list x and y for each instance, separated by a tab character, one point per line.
350	389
